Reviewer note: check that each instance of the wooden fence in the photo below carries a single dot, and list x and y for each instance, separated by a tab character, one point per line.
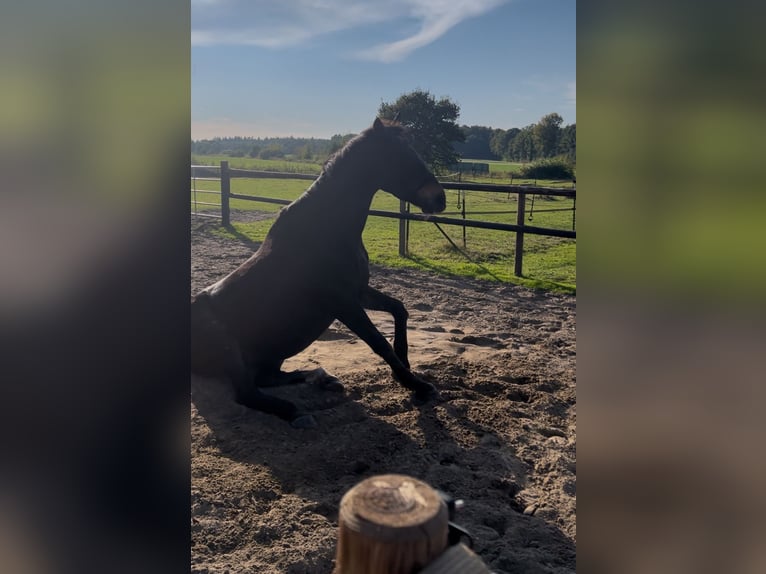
225	174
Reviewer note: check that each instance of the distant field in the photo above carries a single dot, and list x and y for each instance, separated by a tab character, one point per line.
496	168
283	165
549	262
499	171
499	167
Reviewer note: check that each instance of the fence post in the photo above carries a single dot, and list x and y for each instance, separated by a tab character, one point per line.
521	204
462	213
225	191
390	524
402	229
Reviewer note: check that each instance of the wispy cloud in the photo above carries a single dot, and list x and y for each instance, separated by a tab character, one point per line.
437	17
276	24
293	22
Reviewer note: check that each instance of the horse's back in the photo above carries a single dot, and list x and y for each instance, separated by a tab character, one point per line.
274	307
287	293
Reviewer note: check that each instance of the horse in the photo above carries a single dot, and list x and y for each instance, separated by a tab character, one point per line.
311	269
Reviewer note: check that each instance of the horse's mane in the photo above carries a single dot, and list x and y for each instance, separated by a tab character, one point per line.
393	128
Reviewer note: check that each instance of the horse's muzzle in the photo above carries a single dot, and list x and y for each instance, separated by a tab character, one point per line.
430	198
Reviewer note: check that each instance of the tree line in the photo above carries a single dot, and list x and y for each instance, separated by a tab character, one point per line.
545	139
436	136
309	149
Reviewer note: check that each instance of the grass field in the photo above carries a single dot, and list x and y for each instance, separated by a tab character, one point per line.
259	164
499	168
504	172
549	262
499	171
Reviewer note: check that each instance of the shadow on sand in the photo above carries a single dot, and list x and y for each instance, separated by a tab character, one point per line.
353	442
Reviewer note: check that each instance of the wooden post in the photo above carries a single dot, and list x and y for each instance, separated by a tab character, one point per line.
225	191
521	205
463	214
403	248
461	202
390	524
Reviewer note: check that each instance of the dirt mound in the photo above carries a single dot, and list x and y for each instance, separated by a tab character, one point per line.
502	436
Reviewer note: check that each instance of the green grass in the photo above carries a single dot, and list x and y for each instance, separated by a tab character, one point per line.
282	165
505	172
499	167
500	172
548	263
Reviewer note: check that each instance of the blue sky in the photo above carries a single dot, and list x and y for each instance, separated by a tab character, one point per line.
314	68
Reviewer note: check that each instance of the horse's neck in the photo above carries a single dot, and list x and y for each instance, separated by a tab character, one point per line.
353	175
342	204
343	193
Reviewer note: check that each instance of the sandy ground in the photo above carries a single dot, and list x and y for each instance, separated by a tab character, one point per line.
502	437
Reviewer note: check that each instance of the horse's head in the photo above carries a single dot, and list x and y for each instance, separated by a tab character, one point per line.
405	175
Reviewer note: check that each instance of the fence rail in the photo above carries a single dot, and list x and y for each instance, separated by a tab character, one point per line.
225	174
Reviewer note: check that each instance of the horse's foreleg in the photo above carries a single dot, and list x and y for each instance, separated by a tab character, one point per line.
354	317
247	393
250	396
216	352
314	377
378	301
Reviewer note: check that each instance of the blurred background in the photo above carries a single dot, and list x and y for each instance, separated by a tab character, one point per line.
94	280
671	296
94	275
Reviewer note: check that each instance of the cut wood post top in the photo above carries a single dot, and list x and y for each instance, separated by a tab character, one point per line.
394	507
390	524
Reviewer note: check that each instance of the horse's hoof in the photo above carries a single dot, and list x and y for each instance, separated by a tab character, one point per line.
304	422
317	376
332	384
425	393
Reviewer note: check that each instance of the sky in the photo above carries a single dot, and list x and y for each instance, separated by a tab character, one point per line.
315	68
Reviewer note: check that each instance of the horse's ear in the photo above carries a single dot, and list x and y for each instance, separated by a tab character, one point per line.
377	124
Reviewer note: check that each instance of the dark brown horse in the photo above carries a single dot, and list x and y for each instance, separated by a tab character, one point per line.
311	269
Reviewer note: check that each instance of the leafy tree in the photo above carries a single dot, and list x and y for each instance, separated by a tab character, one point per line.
255	150
338	141
568	142
272	151
546	133
523	147
501	141
306	151
477	143
433	125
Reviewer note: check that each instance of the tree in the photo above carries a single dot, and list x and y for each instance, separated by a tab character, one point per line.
306	151
546	133
433	125
568	142
338	141
523	147
501	142
477	143
273	151
255	151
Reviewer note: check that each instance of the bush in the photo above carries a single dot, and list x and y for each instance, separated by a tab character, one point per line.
273	151
548	169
